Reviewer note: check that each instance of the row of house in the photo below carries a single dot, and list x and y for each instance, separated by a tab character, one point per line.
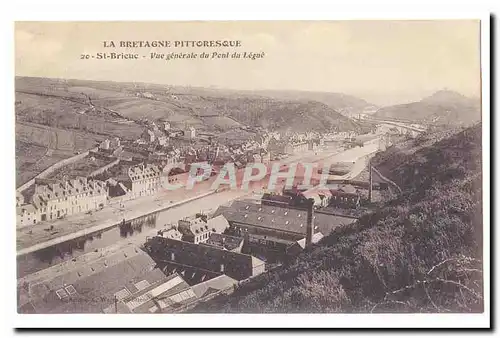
148	179
57	200
54	200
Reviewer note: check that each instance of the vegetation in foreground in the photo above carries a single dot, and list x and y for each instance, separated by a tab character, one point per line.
421	252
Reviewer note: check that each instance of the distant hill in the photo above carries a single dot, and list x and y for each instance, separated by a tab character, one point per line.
205	108
347	105
418	253
442	107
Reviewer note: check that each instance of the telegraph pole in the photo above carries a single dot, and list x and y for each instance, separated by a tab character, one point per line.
371	181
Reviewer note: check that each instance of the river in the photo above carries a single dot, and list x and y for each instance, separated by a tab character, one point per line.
138	229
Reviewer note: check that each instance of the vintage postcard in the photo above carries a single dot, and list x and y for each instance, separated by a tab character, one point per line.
235	167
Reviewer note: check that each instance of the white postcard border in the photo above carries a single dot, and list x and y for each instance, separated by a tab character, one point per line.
127	10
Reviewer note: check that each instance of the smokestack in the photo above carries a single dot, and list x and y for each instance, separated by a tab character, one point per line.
370	188
310	222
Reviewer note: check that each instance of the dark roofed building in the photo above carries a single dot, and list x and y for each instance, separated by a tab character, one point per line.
276	200
192	275
218	224
93	287
235	265
288	223
226	242
346	197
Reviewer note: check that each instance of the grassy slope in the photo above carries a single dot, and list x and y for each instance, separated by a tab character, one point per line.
209	109
419	253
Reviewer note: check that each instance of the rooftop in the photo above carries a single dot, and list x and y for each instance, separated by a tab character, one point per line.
206	257
280	218
78	186
155	297
221	282
224	241
92	287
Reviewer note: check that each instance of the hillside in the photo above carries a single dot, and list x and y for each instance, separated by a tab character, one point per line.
421	252
57	118
443	107
347	105
204	108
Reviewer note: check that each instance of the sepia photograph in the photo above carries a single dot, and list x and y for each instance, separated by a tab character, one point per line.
249	167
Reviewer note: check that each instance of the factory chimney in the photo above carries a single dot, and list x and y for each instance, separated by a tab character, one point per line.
310	222
370	188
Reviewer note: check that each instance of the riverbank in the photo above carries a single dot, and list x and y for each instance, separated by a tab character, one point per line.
41	236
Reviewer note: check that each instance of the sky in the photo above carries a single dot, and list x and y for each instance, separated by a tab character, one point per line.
383	62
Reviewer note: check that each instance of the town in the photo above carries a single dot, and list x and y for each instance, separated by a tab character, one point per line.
306	185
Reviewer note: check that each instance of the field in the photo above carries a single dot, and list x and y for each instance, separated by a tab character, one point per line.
32	159
62	113
211	110
39	147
